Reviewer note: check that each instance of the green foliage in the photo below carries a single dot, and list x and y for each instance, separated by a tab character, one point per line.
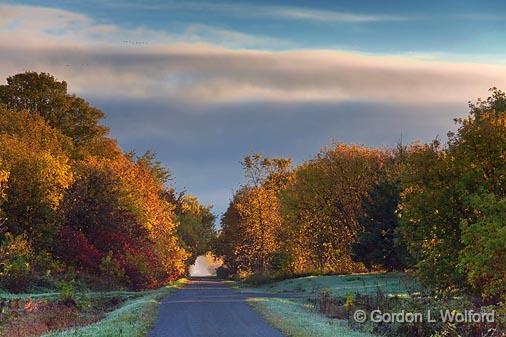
378	244
68	292
111	269
452	210
484	252
281	263
195	223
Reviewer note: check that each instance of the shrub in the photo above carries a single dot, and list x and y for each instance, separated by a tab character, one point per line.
258	279
112	270
281	263
68	293
16	257
223	272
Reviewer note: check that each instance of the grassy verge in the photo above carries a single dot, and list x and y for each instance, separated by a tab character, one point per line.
296	319
343	285
56	295
133	319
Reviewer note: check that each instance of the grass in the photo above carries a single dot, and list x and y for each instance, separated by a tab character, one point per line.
343	285
133	319
297	319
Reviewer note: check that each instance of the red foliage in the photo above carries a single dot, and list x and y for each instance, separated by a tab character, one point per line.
78	249
135	257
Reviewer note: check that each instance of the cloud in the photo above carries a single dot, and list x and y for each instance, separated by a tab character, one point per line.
100	60
263	10
52	27
295	13
213	101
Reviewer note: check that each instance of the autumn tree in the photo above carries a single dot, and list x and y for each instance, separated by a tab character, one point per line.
69	196
255	213
130	225
230	237
43	95
34	155
322	206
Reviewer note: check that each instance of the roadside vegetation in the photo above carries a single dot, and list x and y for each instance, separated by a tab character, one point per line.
325	306
74	312
435	210
134	318
297	319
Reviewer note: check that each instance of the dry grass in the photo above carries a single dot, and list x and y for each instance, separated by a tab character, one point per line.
44	318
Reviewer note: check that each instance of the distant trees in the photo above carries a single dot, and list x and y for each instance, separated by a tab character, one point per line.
71	199
196	223
302	219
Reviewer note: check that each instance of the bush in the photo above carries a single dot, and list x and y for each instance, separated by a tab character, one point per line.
16	257
68	293
281	263
258	279
112	270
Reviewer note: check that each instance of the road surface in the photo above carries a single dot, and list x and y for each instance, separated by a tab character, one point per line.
208	308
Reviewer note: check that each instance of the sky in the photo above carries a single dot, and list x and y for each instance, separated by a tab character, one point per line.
204	83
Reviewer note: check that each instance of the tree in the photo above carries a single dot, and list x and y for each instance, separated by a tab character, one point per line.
452	213
478	150
252	224
377	244
131	225
67	191
322	205
39	173
230	238
148	160
41	94
195	224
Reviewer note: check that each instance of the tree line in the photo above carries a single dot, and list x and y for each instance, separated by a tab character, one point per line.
438	209
73	204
